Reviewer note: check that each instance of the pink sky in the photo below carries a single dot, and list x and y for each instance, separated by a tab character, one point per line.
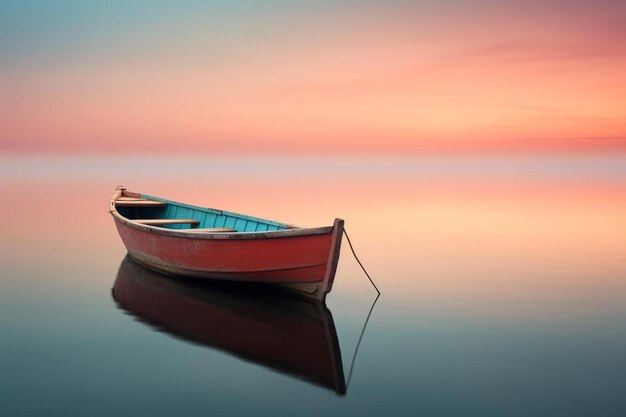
346	77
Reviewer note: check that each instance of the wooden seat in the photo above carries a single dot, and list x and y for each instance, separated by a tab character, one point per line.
165	222
139	203
131	199
211	230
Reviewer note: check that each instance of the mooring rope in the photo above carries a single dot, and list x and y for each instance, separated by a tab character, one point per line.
357	259
356	349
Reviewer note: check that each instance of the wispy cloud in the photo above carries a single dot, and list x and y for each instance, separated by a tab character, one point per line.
520	51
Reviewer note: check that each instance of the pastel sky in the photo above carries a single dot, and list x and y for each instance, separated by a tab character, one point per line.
313	76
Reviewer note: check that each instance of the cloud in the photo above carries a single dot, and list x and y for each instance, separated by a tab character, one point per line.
539	52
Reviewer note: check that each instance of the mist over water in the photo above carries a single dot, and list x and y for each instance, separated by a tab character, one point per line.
503	287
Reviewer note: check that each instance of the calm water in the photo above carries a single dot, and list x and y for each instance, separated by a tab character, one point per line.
503	280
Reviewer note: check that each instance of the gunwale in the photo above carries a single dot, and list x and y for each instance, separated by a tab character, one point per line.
292	231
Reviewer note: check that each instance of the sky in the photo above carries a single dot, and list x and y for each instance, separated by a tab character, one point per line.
313	77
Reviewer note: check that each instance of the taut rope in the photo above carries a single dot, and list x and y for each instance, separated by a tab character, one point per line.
357	259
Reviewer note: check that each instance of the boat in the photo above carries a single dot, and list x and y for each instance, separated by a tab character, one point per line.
290	334
187	240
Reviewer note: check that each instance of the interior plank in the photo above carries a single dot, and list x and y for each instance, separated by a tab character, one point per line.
132	199
144	203
160	222
211	230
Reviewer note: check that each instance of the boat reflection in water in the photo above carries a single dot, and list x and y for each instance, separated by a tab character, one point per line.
291	335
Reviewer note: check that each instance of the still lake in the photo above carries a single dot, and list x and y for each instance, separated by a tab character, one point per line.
503	290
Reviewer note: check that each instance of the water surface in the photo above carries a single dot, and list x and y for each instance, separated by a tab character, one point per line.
503	280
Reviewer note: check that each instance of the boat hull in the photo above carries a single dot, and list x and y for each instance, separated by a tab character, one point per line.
302	261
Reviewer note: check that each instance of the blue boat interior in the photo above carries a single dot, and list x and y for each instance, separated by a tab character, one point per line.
204	217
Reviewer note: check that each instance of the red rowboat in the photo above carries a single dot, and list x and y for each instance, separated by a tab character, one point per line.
292	335
187	240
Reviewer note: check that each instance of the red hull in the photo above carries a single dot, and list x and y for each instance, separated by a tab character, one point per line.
304	260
